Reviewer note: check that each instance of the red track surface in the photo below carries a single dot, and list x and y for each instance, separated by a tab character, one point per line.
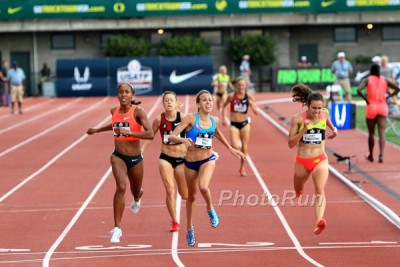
56	194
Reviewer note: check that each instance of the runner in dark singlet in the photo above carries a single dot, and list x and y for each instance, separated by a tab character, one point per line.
171	157
240	101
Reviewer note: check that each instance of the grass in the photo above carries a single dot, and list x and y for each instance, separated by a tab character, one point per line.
361	124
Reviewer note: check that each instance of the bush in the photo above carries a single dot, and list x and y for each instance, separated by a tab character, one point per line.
184	46
260	48
126	46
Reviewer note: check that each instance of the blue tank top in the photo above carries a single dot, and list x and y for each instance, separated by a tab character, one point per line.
200	136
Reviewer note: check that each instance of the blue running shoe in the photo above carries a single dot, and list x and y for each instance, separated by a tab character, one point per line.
214	219
191	239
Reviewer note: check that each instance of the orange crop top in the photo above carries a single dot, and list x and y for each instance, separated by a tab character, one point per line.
127	122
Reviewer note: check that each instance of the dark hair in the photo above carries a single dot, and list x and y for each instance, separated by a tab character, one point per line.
375	70
303	94
133	101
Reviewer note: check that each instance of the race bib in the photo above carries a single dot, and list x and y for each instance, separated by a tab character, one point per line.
126	128
203	142
166	138
240	108
312	138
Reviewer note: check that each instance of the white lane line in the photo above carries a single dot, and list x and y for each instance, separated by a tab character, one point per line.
24	122
55	126
274	101
384	210
360	243
48	164
33	107
50	252
278	212
175	235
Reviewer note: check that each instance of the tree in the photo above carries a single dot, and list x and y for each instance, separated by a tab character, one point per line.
184	45
260	48
126	46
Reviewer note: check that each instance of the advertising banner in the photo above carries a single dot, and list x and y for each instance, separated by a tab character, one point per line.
334	6
44	9
142	73
186	75
82	77
343	115
148	75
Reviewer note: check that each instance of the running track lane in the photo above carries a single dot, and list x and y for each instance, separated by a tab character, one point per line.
74	180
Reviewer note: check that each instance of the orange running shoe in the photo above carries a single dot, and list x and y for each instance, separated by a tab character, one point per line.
174	227
242	172
320	226
299	194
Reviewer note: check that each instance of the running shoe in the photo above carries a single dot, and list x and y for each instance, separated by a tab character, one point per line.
135	205
243	172
214	219
174	226
190	238
320	226
116	233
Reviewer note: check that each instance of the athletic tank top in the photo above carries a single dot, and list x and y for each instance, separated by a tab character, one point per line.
239	105
166	128
127	122
376	89
315	132
202	137
223	79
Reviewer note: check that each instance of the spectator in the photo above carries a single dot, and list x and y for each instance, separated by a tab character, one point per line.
16	78
245	70
44	77
3	82
376	60
343	69
386	71
303	63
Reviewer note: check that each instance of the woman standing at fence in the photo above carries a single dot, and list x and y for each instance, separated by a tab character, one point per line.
308	131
